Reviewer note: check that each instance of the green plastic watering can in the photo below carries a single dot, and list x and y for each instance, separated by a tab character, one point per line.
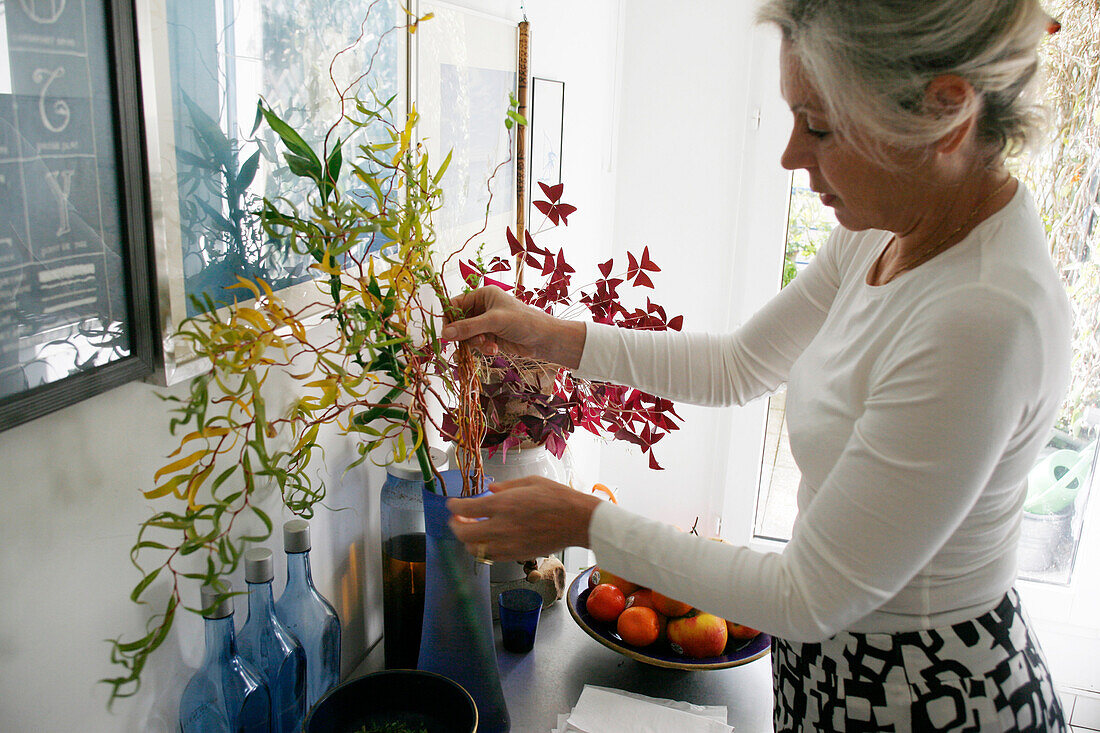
1050	490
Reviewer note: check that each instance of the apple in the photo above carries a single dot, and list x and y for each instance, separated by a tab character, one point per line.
669	606
737	631
599	576
698	635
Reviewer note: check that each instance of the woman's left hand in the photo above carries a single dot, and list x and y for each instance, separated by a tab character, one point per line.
522	518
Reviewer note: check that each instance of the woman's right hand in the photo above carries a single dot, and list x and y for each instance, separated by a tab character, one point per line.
494	321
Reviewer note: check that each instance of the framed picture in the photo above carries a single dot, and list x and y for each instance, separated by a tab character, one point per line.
465	72
74	280
546	126
206	64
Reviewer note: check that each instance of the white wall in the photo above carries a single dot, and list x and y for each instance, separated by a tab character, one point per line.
713	217
70	510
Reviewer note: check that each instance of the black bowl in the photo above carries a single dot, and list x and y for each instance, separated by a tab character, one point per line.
420	700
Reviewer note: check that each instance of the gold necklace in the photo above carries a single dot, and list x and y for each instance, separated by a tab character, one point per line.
941	246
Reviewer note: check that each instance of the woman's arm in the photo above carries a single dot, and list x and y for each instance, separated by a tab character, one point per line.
691	367
708	369
941	418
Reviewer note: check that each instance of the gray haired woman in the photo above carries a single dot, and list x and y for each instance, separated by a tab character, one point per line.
926	351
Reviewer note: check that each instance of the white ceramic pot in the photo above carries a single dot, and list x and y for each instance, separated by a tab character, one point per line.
517	463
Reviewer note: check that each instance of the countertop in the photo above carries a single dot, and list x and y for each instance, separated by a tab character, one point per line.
548	680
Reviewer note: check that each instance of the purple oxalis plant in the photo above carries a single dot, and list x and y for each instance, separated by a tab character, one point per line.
532	402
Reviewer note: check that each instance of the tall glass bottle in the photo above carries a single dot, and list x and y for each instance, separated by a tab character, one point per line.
226	693
270	647
403	555
307	614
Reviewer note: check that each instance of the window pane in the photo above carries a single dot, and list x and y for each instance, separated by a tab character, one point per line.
227	54
808	226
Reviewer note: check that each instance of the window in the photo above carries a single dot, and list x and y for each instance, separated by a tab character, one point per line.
808	226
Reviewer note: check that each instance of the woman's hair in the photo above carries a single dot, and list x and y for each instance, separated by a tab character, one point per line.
871	62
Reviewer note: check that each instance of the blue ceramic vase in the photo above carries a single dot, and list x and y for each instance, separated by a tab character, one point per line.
457	637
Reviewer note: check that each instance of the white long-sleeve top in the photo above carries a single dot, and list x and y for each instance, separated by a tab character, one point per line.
915	410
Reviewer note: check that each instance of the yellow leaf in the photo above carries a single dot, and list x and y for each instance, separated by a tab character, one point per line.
307	437
165	489
254	317
207	432
324	266
194	484
406	135
248	284
180	464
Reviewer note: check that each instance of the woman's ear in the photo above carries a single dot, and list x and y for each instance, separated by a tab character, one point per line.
951	96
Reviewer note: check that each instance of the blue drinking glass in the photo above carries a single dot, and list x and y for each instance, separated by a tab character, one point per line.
520	609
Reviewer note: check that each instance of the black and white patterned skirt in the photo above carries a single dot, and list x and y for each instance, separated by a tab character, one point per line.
986	674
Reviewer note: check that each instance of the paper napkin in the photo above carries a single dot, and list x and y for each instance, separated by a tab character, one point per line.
605	710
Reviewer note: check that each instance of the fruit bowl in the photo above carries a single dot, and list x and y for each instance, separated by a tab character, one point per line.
659	654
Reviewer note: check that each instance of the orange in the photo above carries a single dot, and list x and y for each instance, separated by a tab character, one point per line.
605	603
640	597
737	631
638	626
602	576
668	606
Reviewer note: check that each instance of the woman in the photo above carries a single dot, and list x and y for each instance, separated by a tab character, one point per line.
926	351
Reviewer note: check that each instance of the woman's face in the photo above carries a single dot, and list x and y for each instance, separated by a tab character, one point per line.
863	193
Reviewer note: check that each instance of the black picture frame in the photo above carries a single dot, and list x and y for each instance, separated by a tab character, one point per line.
130	191
547	130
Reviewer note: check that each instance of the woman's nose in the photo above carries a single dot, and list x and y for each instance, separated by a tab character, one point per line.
797	154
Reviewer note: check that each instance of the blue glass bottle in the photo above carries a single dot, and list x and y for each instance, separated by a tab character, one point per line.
226	693
308	615
270	647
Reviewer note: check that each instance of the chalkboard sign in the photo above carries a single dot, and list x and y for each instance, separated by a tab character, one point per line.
74	300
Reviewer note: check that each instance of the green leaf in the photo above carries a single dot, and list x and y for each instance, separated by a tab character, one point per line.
259	118
198	161
210	134
168	524
267	523
442	168
247	173
334	162
291	139
303	166
141	586
216	216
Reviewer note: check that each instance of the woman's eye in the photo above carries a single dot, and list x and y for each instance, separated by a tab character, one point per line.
812	127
